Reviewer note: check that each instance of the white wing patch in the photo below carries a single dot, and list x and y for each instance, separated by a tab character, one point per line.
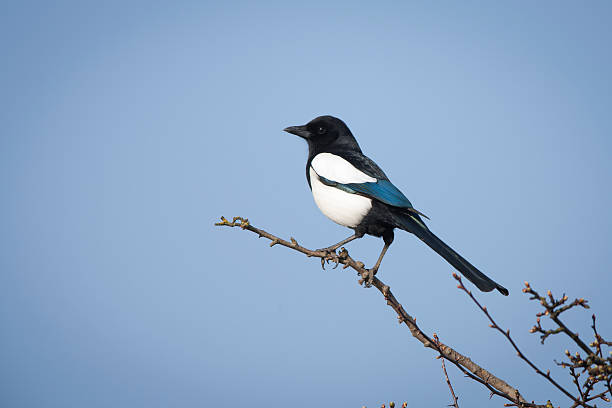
337	169
339	206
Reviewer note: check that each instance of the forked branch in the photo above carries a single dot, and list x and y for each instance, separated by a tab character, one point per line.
598	367
472	370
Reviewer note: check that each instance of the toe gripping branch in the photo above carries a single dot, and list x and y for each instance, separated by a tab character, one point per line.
326	255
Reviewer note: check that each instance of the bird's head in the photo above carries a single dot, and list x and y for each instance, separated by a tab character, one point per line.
324	133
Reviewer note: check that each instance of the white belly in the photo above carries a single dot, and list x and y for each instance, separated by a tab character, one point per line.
341	207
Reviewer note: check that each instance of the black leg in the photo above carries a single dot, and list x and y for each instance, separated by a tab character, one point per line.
380	258
388	238
339	244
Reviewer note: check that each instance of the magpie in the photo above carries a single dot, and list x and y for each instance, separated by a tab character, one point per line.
351	190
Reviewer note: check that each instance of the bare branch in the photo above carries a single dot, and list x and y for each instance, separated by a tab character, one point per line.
494	384
520	354
554	308
598	367
450	387
599	341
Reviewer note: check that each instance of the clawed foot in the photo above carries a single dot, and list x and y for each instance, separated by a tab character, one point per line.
330	255
329	249
369	279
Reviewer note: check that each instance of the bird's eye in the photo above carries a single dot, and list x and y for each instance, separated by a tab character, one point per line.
322	130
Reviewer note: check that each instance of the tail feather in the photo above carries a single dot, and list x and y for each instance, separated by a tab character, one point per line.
483	282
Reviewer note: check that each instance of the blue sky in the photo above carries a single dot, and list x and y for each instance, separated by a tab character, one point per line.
128	129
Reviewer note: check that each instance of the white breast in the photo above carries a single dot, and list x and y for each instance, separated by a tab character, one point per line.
339	206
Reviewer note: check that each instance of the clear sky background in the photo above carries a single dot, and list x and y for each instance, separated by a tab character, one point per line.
127	129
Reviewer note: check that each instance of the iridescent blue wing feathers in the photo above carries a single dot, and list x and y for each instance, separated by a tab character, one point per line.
381	190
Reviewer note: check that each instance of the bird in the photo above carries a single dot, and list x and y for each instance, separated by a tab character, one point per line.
353	191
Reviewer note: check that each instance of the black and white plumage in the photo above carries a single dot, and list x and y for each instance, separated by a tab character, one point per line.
351	190
338	205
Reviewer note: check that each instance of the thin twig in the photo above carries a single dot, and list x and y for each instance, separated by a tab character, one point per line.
450	387
597	368
494	384
553	310
598	342
520	354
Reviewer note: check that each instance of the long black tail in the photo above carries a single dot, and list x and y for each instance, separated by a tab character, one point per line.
414	224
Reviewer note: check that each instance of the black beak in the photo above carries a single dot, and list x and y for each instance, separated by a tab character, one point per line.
300	131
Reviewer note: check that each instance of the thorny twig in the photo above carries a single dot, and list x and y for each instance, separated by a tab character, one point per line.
472	370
